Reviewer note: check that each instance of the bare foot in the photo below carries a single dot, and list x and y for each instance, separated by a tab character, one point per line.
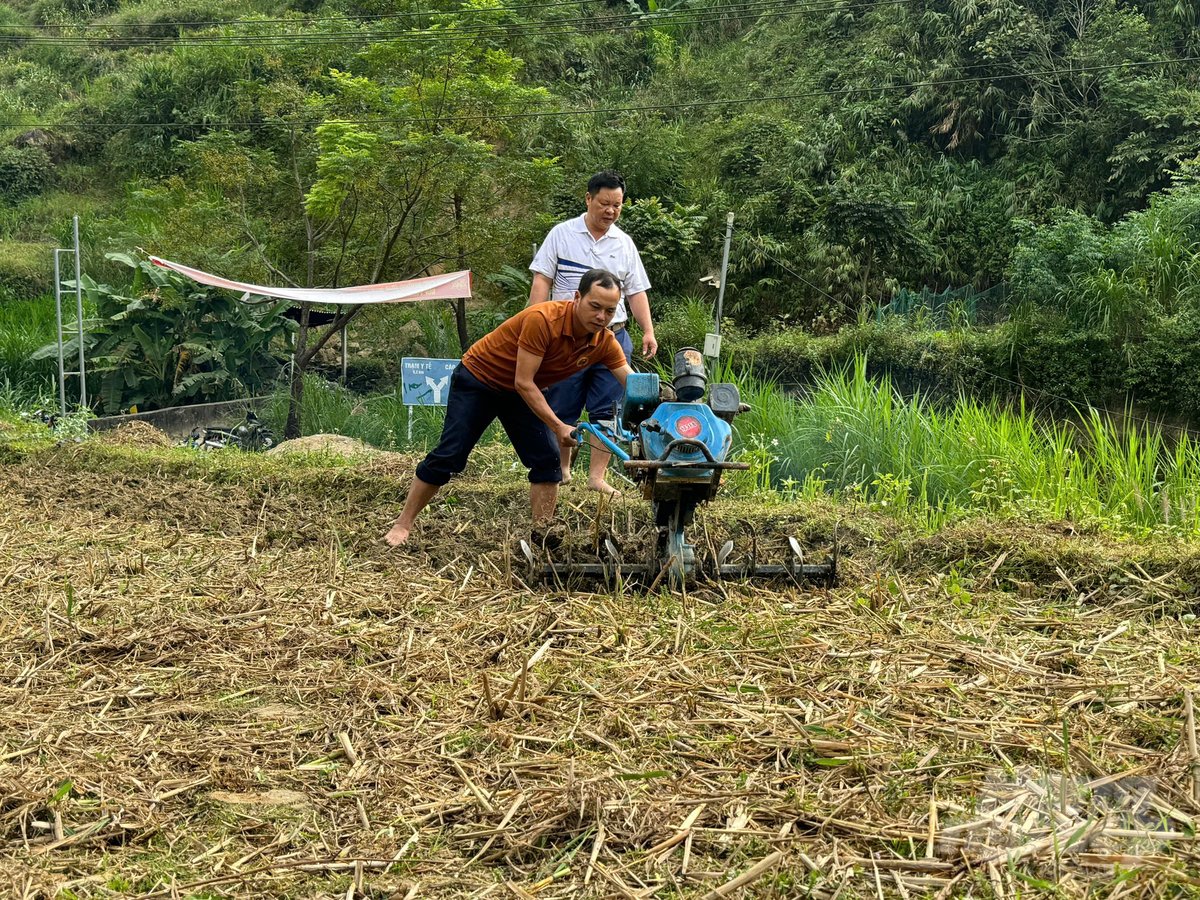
397	536
566	479
601	486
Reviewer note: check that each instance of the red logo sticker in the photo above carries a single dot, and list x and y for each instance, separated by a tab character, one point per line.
688	426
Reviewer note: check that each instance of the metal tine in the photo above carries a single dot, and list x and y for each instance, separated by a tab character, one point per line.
612	550
724	553
611	560
796	562
753	543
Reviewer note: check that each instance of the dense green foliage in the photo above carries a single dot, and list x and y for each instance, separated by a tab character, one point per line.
864	148
904	142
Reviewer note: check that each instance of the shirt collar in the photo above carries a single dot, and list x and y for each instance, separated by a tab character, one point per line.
579	223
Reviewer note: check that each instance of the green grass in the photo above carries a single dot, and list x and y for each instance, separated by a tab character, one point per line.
853	436
43	221
26	325
26	268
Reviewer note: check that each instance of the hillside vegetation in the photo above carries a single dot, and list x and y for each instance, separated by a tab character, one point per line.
863	146
1029	164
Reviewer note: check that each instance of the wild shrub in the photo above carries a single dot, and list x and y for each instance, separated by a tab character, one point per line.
1114	281
682	322
23	171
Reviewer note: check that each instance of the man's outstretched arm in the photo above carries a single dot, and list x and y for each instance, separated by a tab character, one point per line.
527	368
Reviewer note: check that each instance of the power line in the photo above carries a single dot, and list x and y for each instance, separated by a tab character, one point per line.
616	110
747	9
846	306
350	18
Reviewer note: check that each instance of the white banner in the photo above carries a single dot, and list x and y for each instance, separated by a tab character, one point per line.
435	287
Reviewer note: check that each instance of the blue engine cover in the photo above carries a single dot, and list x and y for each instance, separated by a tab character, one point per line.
694	421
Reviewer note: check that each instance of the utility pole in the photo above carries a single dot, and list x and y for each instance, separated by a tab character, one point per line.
712	342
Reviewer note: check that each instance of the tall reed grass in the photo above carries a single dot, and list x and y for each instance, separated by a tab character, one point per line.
852	436
26	325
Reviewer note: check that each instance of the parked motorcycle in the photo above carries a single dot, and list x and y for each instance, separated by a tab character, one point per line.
251	434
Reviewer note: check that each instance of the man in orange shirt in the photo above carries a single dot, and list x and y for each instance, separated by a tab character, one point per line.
503	375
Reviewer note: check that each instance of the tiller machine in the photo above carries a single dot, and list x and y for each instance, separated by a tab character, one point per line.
676	447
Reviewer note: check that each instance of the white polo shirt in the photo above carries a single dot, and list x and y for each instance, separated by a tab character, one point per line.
569	250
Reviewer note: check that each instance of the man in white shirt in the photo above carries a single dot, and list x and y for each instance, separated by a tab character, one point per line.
592	241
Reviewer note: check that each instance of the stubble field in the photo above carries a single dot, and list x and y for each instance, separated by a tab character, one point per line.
217	683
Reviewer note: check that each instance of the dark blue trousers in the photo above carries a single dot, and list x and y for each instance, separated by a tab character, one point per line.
471	408
595	389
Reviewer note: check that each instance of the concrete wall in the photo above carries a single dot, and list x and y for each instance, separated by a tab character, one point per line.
178	421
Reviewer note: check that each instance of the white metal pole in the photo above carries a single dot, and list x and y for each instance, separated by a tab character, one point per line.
724	270
409	408
79	312
62	365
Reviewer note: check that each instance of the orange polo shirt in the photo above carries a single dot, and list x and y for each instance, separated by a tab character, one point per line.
546	330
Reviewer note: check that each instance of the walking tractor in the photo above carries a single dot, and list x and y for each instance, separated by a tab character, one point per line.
677	450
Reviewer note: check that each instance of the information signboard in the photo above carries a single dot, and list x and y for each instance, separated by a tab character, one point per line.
425	382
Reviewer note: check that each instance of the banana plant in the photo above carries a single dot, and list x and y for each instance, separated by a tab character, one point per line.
163	340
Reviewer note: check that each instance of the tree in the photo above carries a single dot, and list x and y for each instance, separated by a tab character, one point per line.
434	176
403	166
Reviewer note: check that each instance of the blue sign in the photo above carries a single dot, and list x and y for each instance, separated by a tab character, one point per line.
425	382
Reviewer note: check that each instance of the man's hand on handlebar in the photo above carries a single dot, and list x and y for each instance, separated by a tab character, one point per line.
566	435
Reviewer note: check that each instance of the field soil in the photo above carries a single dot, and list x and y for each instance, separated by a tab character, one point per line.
217	682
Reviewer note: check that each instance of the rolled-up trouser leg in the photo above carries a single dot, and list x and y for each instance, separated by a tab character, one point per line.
532	439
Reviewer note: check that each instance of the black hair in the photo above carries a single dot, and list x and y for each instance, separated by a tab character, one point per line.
606	179
593	277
